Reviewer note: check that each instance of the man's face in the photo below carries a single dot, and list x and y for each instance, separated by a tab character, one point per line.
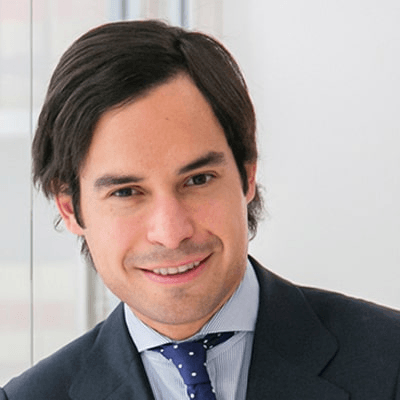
164	211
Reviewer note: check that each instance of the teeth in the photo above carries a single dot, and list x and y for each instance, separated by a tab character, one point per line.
176	270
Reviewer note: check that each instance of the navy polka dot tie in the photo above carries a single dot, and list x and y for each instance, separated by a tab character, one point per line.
190	359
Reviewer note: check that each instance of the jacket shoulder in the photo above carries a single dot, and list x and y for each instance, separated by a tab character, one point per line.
50	378
358	341
350	317
368	337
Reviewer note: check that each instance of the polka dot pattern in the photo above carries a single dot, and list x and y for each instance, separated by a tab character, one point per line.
190	359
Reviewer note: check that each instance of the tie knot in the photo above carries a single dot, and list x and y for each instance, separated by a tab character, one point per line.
190	357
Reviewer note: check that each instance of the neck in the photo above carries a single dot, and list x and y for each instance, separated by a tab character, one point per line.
175	332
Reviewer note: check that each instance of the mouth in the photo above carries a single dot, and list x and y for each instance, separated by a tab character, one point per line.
178	274
176	270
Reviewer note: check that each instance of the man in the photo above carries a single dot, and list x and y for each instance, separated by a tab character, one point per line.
146	141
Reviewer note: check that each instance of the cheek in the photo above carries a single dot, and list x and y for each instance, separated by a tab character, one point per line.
210	214
125	233
226	216
110	237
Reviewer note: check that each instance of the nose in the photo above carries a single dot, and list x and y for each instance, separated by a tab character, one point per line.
169	222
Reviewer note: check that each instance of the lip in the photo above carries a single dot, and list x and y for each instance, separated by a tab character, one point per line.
176	264
179	278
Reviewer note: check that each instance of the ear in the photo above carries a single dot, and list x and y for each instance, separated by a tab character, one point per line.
251	170
66	210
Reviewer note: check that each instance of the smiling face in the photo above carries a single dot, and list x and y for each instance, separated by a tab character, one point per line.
164	210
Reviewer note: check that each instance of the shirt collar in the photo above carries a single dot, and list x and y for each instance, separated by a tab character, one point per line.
238	314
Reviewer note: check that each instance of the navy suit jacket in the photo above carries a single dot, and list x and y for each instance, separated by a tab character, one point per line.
308	345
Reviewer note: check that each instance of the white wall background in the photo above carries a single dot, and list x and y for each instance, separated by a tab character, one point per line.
325	78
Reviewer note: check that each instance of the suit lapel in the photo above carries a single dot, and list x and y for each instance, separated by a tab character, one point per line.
113	369
291	346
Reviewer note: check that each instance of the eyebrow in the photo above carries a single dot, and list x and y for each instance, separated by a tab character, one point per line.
212	158
115	180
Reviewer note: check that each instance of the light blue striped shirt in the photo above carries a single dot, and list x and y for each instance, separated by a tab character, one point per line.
227	364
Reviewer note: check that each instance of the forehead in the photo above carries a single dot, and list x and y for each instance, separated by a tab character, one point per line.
173	123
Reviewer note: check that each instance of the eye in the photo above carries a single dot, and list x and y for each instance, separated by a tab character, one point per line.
125	192
200	179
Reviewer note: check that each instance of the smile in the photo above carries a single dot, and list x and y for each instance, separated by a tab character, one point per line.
176	270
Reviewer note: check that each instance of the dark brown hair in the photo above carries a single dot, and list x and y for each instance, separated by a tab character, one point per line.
116	63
